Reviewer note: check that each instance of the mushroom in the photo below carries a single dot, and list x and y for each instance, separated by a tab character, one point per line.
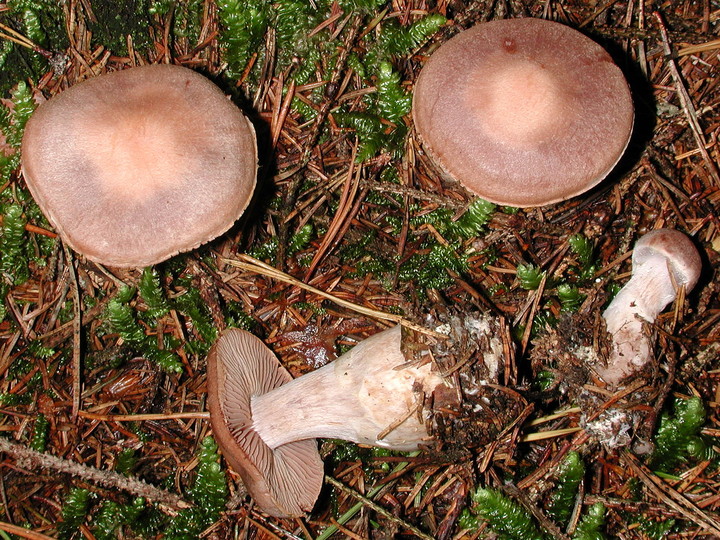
132	167
266	423
523	112
663	262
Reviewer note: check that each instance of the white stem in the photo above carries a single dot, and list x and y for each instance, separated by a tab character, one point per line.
639	302
355	398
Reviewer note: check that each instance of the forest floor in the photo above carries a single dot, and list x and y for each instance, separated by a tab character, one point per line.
348	204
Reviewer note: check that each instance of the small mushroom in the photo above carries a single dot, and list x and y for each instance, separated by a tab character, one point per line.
523	112
132	167
663	261
266	423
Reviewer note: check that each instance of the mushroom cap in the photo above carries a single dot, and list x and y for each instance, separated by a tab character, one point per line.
284	482
523	112
134	166
683	260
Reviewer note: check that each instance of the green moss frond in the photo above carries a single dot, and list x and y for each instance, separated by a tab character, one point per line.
392	101
210	490
13	243
12	124
368	6
191	304
590	524
430	271
365	124
41	20
244	25
74	511
112	515
5	49
209	493
507	518
40	431
678	435
186	17
292	21
152	293
570	297
398	40
167	360
585	252
301	239
473	220
658	529
569	475
125	461
122	319
529	276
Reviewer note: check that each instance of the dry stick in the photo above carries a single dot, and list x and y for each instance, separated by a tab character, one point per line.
29	227
77	327
167	501
16	37
22	532
379	509
251	264
687	103
671	497
702	47
144	417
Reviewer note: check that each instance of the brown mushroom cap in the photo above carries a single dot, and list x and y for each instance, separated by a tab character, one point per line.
132	167
523	112
284	482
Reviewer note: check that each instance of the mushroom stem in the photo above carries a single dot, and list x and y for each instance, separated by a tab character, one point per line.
367	396
663	261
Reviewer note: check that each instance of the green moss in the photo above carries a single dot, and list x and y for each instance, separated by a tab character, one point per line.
209	493
191	304
504	516
569	475
43	22
590	524
244	24
123	320
152	293
585	253
570	297
39	438
126	461
74	511
529	276
186	17
678	436
13	245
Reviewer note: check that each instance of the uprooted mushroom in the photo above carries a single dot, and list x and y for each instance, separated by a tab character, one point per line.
665	266
376	394
664	262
